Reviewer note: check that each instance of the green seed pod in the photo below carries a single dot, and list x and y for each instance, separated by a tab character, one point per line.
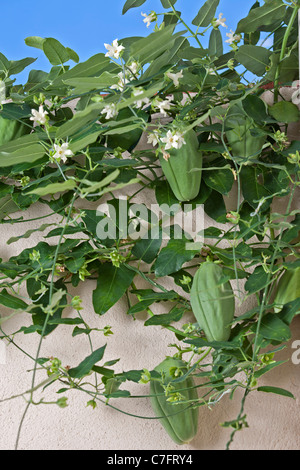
180	420
241	141
288	289
11	129
184	184
212	302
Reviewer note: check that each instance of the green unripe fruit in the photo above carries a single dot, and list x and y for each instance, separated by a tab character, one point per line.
184	183
288	288
180	421
11	129
212	302
241	141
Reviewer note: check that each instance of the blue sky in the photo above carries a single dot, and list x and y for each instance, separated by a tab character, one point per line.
84	25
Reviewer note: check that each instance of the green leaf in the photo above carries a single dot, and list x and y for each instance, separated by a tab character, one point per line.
147	49
206	13
257	280
258	373
73	55
7	206
255	108
214	206
284	111
147	249
56	53
85	84
28	154
54	188
252	190
132	4
172	257
35	41
87	364
11	301
147	297
80	119
165	319
253	58
219	180
215	48
265	15
4	63
17	66
167	3
28	233
277	390
273	328
112	284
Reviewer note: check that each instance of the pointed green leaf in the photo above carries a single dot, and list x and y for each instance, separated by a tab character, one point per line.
87	364
132	4
254	58
206	13
112	284
266	14
35	41
54	188
284	111
277	390
56	53
172	257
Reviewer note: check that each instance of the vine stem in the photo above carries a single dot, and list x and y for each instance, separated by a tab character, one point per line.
282	53
46	319
260	315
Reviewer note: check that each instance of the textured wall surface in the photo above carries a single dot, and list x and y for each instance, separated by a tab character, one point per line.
273	420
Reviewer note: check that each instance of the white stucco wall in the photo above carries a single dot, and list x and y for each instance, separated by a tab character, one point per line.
273	420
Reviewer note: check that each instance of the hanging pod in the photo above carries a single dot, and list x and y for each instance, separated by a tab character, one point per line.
212	301
184	183
288	289
180	421
240	140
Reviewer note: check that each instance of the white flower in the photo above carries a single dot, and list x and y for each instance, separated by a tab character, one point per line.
114	49
220	21
175	77
173	140
39	117
2	91
232	37
110	110
62	152
149	18
121	83
153	138
163	105
139	103
134	67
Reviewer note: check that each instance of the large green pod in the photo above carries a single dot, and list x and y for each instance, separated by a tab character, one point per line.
288	288
11	129
184	183
180	421
212	302
242	143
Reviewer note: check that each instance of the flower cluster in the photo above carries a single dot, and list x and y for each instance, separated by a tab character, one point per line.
172	140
